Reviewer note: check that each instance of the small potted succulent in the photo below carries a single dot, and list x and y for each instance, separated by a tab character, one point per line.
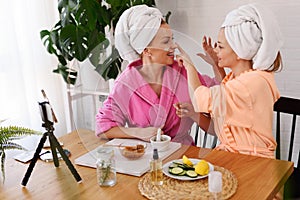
7	137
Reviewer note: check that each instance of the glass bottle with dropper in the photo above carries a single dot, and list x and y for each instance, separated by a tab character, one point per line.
156	169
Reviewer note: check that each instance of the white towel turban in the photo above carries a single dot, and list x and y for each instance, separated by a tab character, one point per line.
135	29
253	34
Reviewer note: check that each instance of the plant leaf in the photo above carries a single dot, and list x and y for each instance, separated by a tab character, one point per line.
104	16
97	39
62	60
2	159
65	8
74	40
86	13
98	52
111	66
7	134
69	75
13	146
47	41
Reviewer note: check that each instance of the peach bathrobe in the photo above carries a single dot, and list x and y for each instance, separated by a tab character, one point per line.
242	112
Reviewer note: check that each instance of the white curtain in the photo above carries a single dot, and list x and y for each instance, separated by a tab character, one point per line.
26	67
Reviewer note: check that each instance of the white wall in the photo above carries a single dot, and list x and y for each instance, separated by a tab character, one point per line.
195	18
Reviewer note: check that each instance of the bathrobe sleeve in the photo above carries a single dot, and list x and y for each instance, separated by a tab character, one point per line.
110	115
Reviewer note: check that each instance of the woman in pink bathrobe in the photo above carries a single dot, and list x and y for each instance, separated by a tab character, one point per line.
241	107
145	93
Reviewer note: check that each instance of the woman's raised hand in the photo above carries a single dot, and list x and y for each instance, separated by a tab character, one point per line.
210	55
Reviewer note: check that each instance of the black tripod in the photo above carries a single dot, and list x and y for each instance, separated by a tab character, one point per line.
54	144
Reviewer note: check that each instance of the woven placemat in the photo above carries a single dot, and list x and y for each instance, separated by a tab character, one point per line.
177	189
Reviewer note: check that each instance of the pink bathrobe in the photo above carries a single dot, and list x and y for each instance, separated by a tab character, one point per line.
134	103
242	111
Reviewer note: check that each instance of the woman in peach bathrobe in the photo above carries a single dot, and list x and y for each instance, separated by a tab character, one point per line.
242	106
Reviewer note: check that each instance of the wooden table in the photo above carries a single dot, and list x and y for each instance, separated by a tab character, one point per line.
258	178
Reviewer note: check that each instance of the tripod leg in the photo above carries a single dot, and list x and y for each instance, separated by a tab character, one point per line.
53	150
34	159
65	157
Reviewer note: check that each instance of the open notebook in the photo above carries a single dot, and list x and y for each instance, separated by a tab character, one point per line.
123	165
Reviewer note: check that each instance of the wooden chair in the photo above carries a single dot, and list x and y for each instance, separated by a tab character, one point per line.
289	106
198	132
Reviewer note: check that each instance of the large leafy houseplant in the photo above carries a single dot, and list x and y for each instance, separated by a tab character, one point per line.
81	33
7	137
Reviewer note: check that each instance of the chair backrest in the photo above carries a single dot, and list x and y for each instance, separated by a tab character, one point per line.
198	131
290	106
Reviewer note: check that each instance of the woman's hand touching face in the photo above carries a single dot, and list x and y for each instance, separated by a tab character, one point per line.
183	58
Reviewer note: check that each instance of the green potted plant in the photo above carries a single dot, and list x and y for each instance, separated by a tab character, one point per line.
7	137
81	33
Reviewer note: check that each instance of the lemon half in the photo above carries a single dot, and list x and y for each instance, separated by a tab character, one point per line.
186	161
202	168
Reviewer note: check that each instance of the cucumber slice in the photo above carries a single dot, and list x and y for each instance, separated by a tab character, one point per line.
182	173
191	173
186	167
173	165
176	170
177	163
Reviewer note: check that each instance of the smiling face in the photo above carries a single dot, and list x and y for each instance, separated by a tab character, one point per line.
226	56
161	49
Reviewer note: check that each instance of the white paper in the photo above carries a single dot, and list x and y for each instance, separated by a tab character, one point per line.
27	155
123	165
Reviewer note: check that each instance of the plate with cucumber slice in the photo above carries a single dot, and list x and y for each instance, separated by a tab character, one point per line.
178	170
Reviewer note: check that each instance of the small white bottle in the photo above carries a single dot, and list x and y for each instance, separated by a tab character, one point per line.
156	169
215	185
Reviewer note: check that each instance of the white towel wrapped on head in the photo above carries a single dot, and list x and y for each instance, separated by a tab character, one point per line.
253	34
135	29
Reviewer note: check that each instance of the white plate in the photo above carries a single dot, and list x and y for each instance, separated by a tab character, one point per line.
184	178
